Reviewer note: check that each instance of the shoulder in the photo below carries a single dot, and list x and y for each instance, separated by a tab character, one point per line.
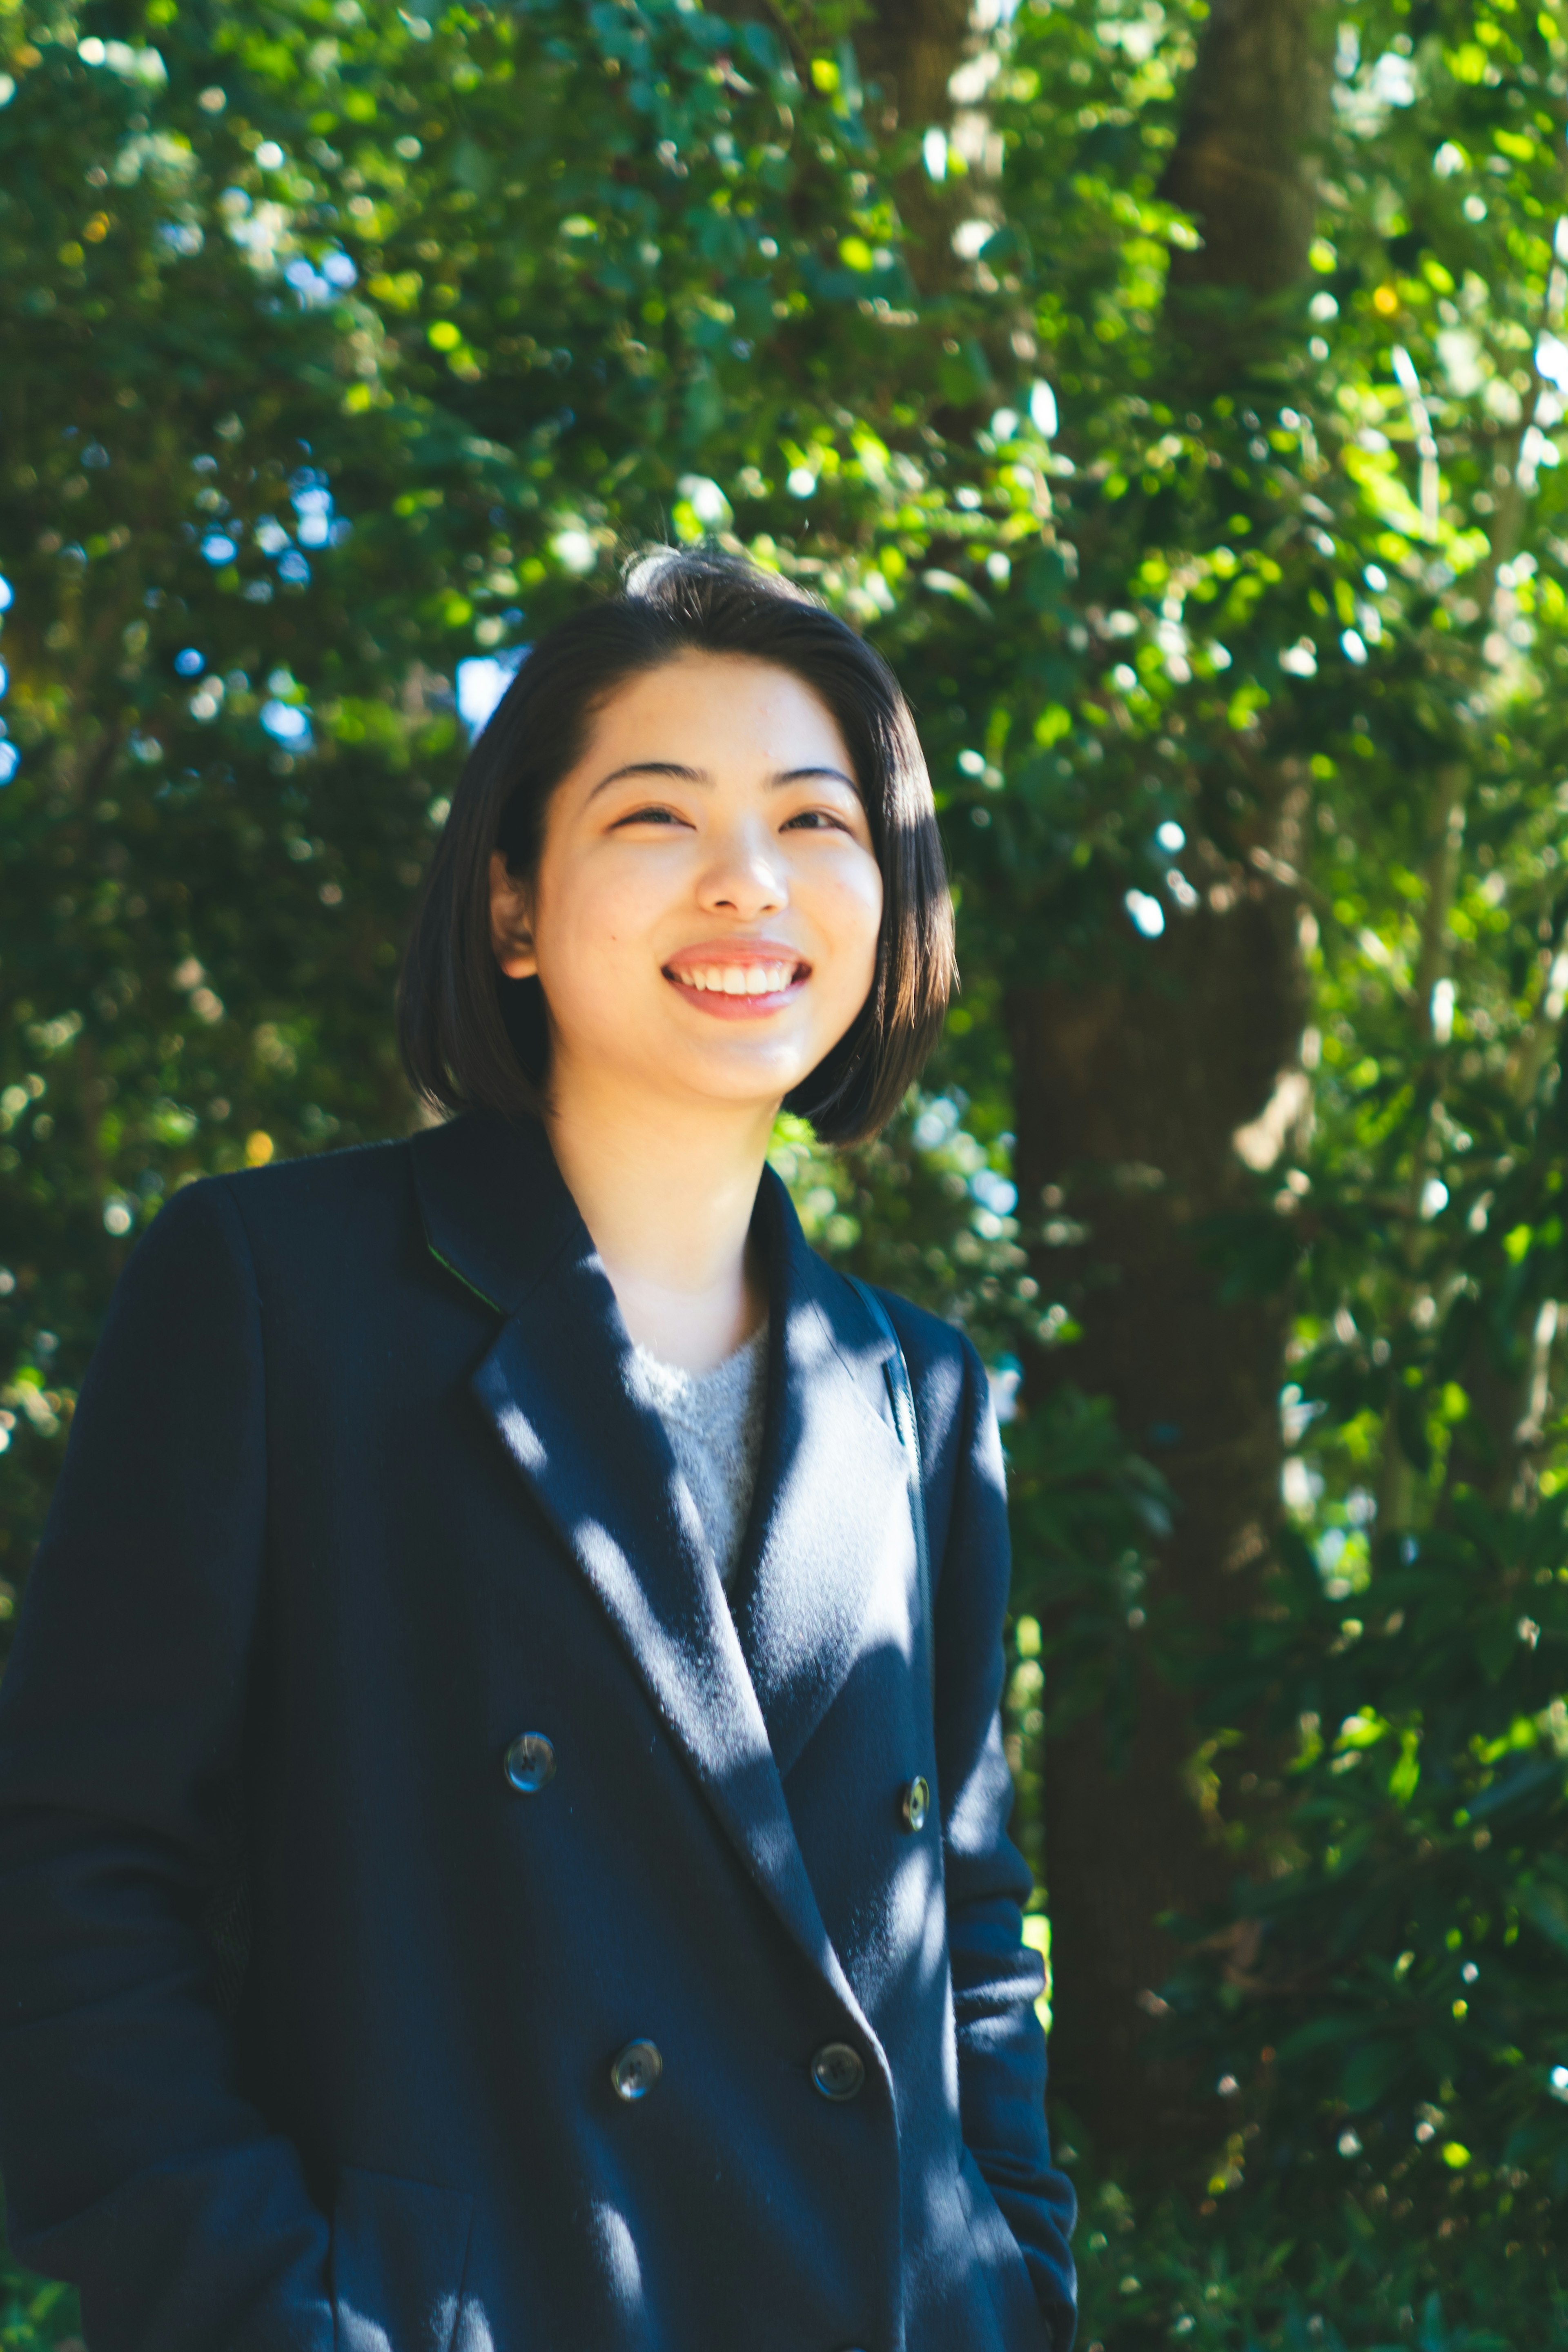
962	1476
951	1385
927	1340
322	1182
298	1208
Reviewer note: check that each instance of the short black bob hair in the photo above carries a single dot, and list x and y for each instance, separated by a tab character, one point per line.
472	1037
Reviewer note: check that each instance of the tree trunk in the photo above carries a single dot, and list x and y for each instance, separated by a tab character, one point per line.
911	48
1130	1100
908	51
1244	164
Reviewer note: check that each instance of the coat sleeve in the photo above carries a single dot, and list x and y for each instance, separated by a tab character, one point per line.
996	1977
134	2165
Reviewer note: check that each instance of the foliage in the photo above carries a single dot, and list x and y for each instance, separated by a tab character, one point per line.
35	2315
288	499
357	344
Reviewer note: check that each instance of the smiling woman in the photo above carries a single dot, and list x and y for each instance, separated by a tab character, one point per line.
737	883
703	920
502	1801
697	646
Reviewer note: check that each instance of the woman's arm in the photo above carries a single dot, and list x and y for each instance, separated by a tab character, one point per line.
133	2165
996	1978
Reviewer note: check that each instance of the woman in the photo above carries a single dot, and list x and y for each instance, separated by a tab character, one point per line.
483	1861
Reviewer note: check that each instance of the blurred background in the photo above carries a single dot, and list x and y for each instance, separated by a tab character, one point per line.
1176	395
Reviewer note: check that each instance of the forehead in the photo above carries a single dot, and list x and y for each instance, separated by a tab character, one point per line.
724	713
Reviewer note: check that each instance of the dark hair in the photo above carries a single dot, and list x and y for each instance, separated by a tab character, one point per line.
470	1037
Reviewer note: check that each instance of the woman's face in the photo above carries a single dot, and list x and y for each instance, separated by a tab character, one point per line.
705	913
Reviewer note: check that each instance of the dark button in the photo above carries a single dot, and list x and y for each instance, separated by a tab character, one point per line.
530	1763
915	1803
636	2070
837	2070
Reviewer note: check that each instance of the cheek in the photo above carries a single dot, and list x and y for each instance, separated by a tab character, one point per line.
850	908
592	921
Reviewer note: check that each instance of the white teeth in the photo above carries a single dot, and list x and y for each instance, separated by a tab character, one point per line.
741	979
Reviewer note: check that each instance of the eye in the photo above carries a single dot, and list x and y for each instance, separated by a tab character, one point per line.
816	820
654	815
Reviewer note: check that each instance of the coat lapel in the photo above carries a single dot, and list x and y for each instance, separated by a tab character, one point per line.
498	1215
829	1566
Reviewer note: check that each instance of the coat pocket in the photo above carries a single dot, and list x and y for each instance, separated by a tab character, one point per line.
1024	2327
399	2252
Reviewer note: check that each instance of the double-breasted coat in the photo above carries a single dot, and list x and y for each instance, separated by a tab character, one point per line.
435	1916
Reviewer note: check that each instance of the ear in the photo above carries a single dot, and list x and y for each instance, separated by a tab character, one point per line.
511	920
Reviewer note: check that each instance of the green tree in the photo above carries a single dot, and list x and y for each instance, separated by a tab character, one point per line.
1176	398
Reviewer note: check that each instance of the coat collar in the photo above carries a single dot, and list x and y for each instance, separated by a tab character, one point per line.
828	1563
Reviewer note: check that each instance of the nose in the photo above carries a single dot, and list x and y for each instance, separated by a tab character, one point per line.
744	876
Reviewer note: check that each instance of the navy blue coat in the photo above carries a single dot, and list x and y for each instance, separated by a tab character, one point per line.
307	2015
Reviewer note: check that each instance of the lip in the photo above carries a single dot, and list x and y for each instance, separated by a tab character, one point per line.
731	954
730	950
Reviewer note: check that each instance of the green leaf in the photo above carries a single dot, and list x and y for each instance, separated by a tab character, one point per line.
1371	2070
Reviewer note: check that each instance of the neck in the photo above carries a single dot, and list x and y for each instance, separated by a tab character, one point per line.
668	1196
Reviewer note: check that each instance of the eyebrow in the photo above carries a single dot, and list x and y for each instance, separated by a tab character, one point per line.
700	775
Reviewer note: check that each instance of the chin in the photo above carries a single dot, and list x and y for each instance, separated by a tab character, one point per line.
735	1078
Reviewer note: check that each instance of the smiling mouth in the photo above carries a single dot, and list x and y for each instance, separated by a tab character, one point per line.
771	979
735	988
